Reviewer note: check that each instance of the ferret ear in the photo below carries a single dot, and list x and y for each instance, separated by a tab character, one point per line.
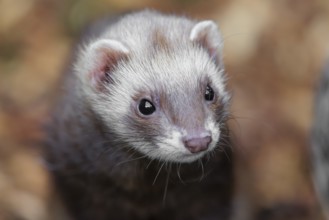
102	58
206	33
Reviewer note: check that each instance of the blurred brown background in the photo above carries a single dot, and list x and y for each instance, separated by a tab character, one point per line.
274	51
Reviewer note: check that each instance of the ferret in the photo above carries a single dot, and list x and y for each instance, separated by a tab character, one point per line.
140	131
320	141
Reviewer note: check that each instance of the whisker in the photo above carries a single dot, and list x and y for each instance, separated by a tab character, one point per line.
148	165
178	173
158	173
126	161
166	186
202	170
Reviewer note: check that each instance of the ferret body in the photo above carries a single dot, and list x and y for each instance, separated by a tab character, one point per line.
140	130
320	141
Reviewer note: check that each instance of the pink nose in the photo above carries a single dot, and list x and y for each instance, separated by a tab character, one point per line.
197	144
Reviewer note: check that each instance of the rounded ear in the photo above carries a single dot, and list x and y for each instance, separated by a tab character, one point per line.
101	58
206	33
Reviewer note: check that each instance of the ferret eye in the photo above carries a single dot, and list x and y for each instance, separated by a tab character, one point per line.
146	107
209	94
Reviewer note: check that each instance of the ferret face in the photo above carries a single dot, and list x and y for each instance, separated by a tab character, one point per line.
172	108
167	103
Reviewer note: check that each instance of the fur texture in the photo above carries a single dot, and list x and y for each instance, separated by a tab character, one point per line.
112	162
320	141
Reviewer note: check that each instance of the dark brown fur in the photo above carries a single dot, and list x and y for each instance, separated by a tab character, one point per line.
100	176
127	185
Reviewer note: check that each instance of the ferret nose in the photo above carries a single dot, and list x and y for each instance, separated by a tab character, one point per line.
197	144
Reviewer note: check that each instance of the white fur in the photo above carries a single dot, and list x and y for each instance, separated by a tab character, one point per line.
211	126
94	56
171	148
207	29
178	73
108	44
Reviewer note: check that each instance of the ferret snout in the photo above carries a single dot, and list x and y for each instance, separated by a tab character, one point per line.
197	143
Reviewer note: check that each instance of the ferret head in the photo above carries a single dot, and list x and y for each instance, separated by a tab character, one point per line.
167	99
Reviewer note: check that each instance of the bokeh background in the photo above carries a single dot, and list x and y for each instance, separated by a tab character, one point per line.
274	52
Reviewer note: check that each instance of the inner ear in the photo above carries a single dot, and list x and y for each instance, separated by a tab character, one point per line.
102	59
207	35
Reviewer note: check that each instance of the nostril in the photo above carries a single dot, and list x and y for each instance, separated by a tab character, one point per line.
197	144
